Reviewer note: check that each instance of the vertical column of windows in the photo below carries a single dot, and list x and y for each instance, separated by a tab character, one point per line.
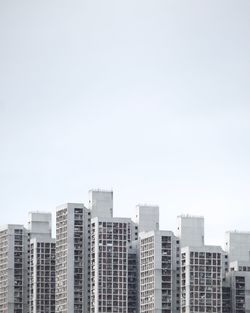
92	268
147	285
240	300
18	271
78	259
205	282
132	283
45	277
4	271
166	252
183	281
61	261
112	271
31	277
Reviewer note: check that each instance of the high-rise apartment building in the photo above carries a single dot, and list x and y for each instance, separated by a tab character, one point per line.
13	269
27	266
105	264
239	282
236	289
238	276
73	230
159	268
133	278
42	276
202	270
72	258
41	264
111	239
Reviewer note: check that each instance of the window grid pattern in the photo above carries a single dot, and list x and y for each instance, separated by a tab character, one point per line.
132	283
61	261
42	277
4	271
109	266
147	279
166	252
240	298
202	281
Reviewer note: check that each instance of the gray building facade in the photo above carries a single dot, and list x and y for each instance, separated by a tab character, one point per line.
159	283
13	269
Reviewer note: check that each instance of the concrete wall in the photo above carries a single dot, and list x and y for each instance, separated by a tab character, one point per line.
147	218
190	230
237	244
101	203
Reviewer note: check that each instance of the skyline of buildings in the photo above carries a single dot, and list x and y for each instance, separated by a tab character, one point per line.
99	263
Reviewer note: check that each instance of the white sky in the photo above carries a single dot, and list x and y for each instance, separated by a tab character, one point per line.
150	98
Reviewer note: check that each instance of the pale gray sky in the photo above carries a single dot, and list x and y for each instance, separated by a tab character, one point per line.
150	98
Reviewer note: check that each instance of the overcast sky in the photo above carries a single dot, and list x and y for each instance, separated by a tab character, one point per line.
150	98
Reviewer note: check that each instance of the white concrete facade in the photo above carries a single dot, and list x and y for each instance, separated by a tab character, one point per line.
237	245
101	203
39	225
146	217
190	230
